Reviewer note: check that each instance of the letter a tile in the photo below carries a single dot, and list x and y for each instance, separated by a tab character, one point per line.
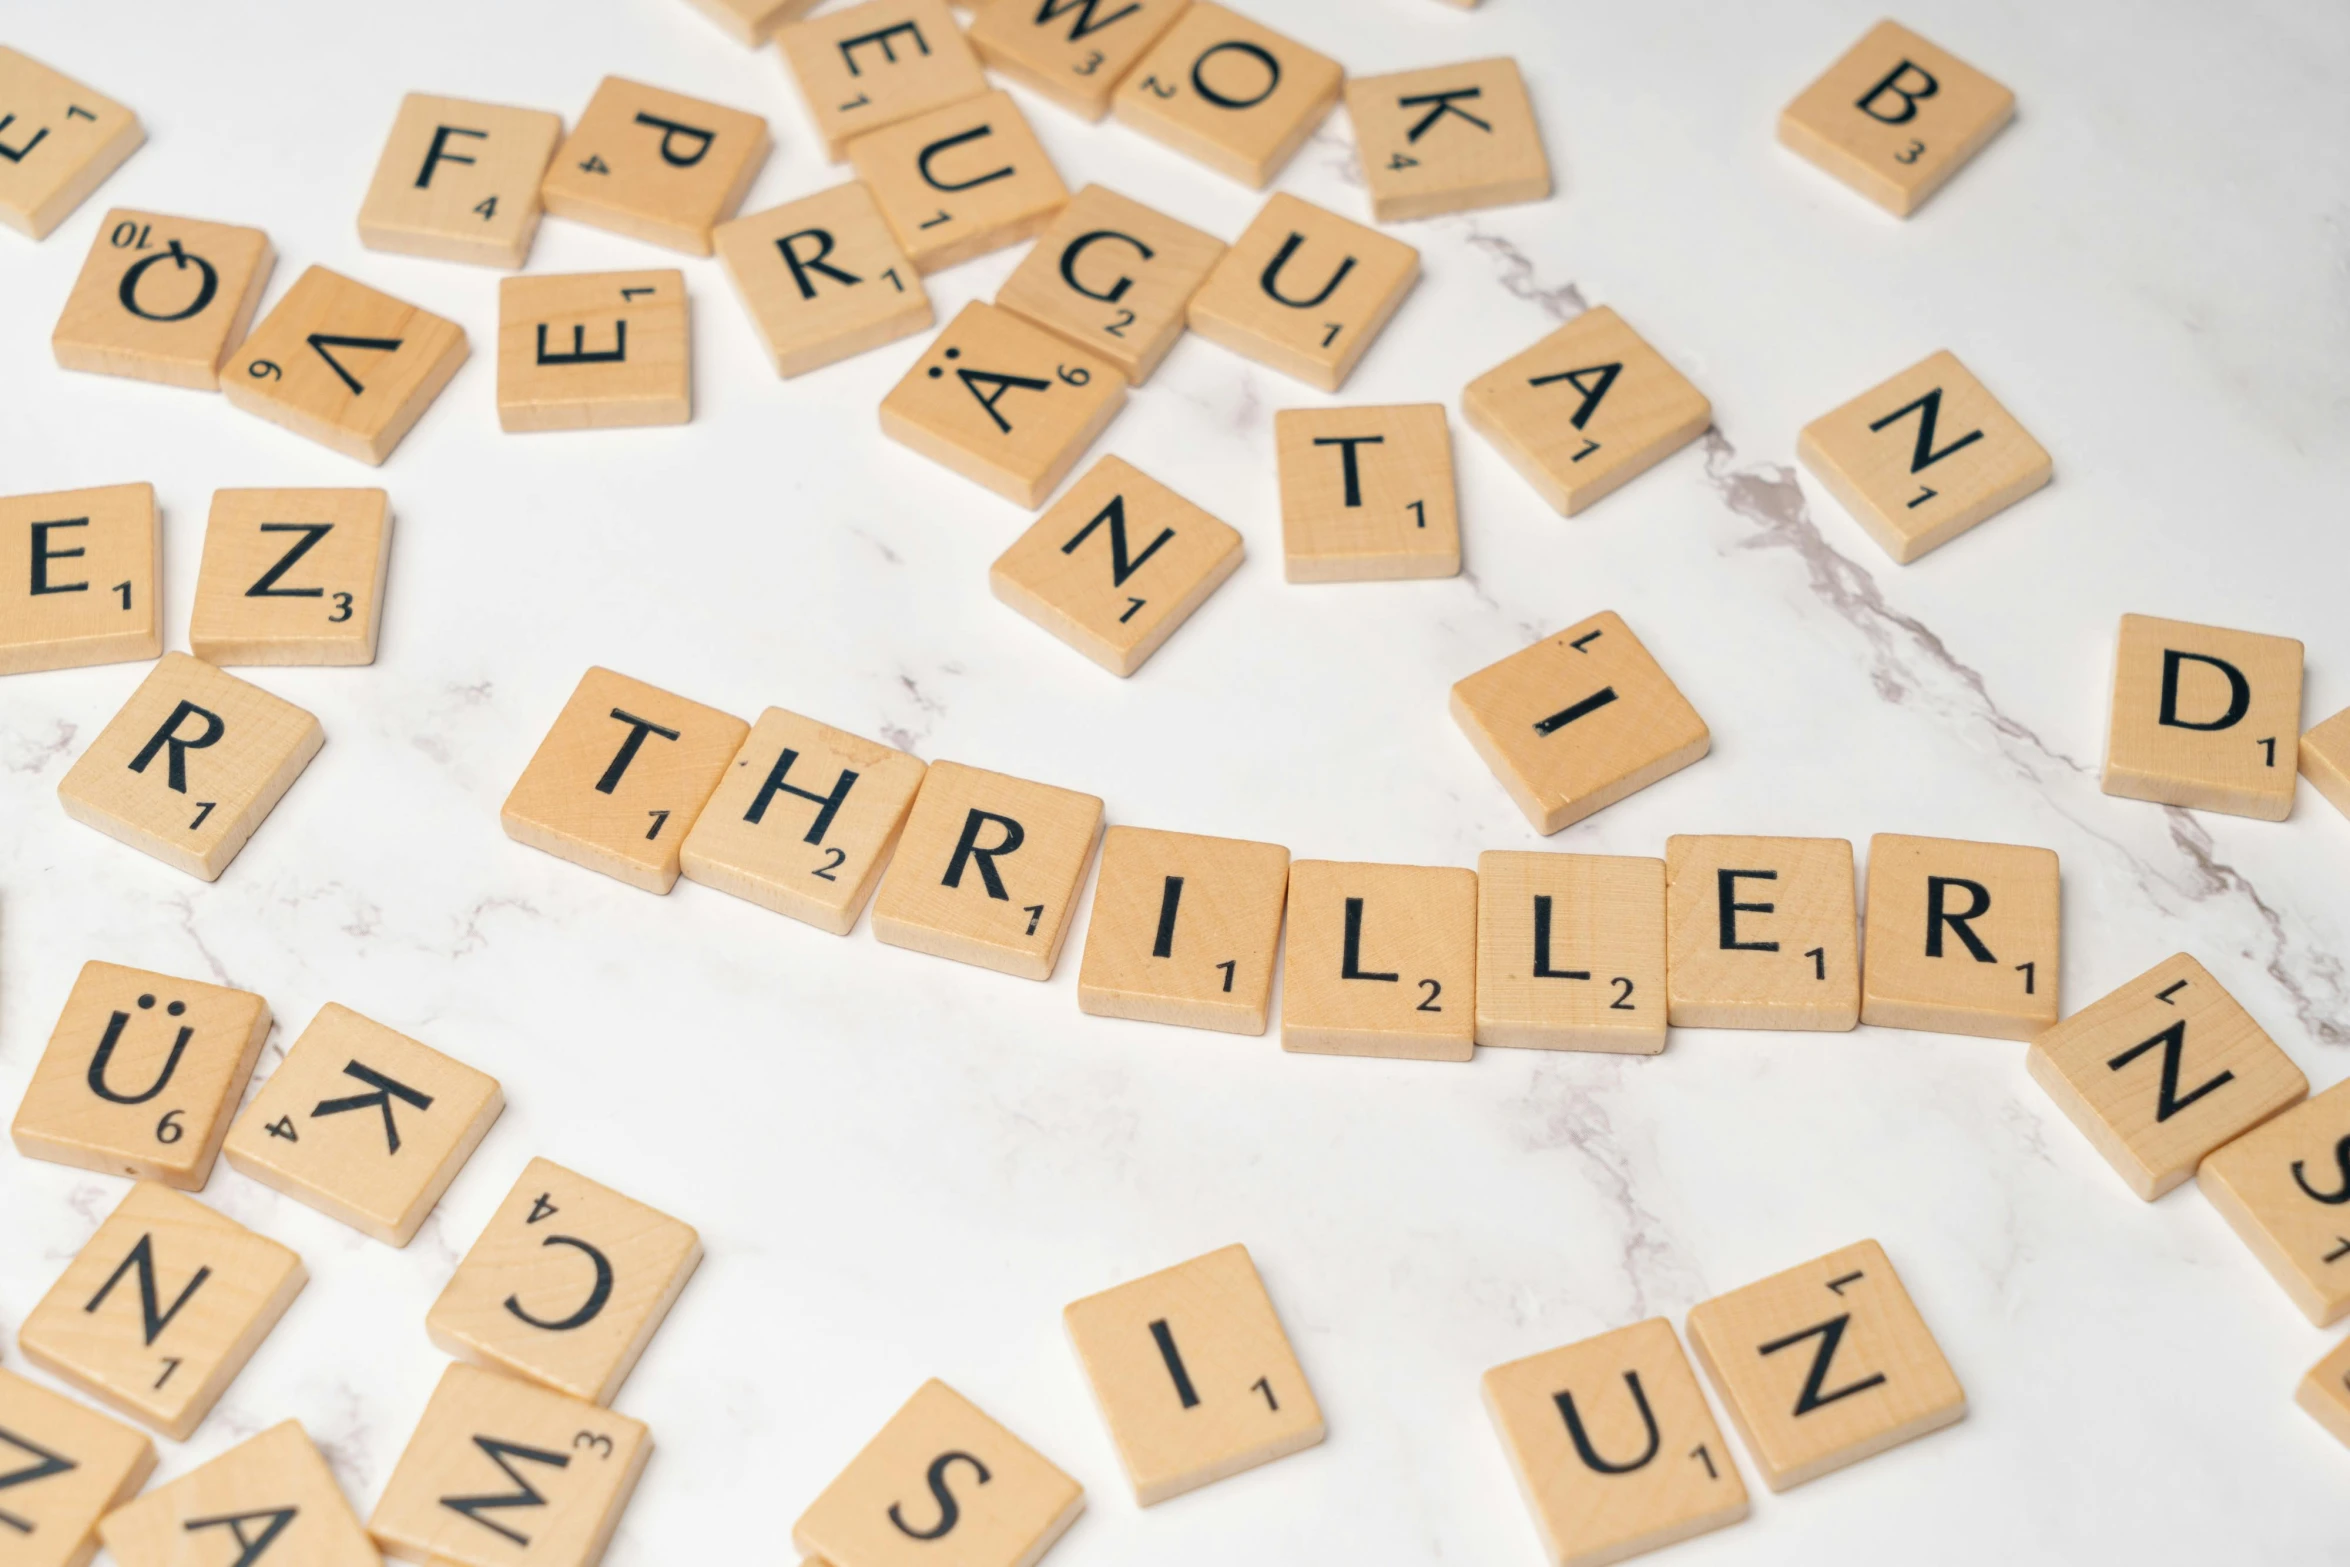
93	591
566	1286
2204	718
1304	291
620	779
866	66
1382	961
1193	1374
1924	457
1184	929
1895	117
292	577
2325	760
804	820
1761	933
1613	1445
1825	1365
1004	403
988	869
364	1124
594	351
162	299
656	166
1367	493
65	1467
1238	96
2285	1187
1578	721
1116	565
823	278
1447	139
2163	1071
1112	276
268	1500
191	766
1075	52
343	365
1571	952
2325	1393
961	181
1586	410
941	1486
141	1076
503	1474
162	1309
1962	937
60	140
459	181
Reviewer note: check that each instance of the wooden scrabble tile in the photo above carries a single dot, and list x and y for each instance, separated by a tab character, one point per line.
292	577
191	766
459	181
914	1489
1112	276
162	1309
2325	759
1447	139
1367	494
1004	403
1571	952
2199	716
1184	930
1895	117
961	180
988	870
1761	933
804	820
267	1500
1614	1447
1074	52
1238	96
59	139
364	1124
753	22
162	299
1824	1365
654	165
870	65
567	1284
594	351
93	590
1586	411
823	278
501	1473
1193	1374
2163	1071
1924	457
1382	961
2325	1393
1578	721
141	1076
348	367
2283	1186
621	777
1303	290
1116	565
1962	937
63	1467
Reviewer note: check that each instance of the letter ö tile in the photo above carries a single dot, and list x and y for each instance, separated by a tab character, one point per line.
162	298
594	351
1762	933
62	140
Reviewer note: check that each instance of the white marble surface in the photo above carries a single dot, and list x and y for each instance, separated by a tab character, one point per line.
903	1167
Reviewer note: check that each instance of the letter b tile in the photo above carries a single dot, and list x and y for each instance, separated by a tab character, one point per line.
567	1284
162	298
1895	117
2205	718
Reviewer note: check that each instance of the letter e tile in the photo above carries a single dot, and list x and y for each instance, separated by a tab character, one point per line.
594	351
93	591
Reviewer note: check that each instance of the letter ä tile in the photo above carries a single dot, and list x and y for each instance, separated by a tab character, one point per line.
1304	291
1367	493
656	166
1447	139
567	1284
958	182
1382	961
1074	54
93	590
866	66
191	766
500	1473
1962	937
1825	1365
459	181
162	299
619	780
1571	952
2163	1071
1613	1446
292	577
1239	97
2285	1188
823	278
916	1488
162	1309
141	1076
2205	718
343	365
1895	117
1112	276
1184	930
594	351
62	140
268	1499
67	1466
1761	933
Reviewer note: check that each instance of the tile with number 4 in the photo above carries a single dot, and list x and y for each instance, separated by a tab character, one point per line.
1571	952
2162	1072
65	1466
1962	937
292	577
1113	276
1447	139
1304	291
343	365
655	165
60	141
1761	933
594	351
1184	930
1230	92
2199	716
960	181
364	1124
1193	1374
823	278
162	299
1367	494
459	181
191	766
1382	961
160	1311
1074	52
267	1500
91	594
1895	117
866	66
2283	1187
